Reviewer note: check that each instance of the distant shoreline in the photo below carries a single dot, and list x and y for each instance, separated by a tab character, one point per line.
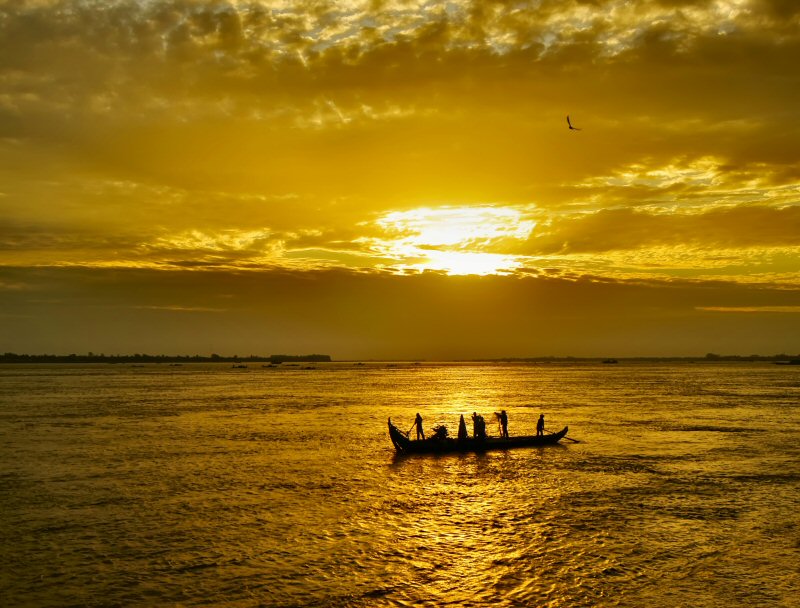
143	358
317	358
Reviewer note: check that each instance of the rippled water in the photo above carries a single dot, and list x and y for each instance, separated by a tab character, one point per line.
206	485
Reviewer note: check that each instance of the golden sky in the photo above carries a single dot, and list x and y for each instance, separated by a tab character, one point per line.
397	179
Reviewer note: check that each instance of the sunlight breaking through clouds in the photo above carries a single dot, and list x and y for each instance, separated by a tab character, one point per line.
455	240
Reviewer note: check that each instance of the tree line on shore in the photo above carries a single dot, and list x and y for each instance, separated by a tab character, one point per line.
316	358
144	358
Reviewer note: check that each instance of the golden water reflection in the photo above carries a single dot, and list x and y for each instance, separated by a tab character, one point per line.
279	487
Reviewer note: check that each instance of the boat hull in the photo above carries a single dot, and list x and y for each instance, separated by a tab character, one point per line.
404	445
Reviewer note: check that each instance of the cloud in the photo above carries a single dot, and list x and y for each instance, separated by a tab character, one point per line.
355	314
221	134
751	309
657	179
226	58
626	228
183	308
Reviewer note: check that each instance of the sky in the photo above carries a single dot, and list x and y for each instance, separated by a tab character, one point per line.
398	180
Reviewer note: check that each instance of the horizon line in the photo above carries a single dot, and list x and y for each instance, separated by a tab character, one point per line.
320	358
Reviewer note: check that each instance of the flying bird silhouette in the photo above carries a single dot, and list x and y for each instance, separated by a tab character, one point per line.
569	124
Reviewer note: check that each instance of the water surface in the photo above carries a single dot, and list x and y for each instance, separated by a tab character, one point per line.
202	485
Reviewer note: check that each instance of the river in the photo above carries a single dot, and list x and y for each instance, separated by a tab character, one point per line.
204	485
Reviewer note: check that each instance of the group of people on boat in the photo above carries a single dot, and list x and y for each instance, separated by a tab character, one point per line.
478	426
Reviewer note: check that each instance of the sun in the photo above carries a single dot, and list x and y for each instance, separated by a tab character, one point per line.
454	240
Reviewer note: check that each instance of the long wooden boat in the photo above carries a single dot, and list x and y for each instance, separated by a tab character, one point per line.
434	445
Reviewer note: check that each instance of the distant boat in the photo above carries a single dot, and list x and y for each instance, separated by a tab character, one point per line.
610	361
433	445
241	366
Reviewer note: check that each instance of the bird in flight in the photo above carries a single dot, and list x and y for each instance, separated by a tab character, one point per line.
570	125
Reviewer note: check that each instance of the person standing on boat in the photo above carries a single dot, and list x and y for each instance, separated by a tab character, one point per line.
540	425
478	426
503	418
418	424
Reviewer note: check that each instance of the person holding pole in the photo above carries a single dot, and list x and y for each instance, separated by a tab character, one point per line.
418	424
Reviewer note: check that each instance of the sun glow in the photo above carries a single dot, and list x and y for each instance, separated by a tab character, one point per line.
455	240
